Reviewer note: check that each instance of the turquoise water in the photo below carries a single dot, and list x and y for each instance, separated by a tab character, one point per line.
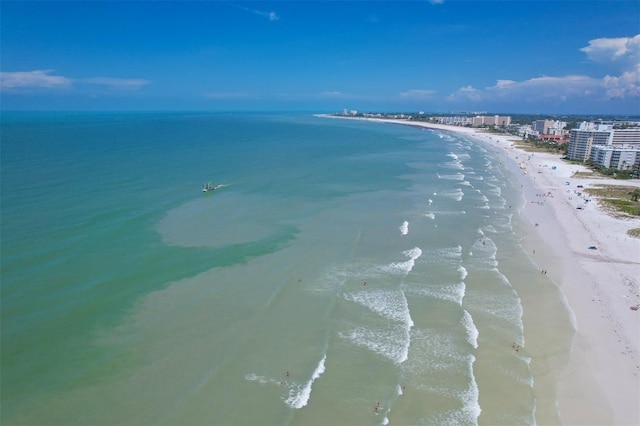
346	273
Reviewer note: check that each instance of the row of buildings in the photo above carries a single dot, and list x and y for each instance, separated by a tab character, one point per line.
612	145
477	121
605	145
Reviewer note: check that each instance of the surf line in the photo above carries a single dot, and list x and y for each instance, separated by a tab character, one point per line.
299	397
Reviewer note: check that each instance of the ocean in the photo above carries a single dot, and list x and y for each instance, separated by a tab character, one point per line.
346	272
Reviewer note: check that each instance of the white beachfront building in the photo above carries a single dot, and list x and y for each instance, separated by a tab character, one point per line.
549	127
477	121
606	146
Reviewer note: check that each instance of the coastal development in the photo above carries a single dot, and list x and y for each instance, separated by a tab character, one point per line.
460	245
594	253
606	143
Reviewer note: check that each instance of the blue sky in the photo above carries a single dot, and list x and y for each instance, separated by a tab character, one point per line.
435	56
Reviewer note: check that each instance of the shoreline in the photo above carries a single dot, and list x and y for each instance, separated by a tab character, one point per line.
600	382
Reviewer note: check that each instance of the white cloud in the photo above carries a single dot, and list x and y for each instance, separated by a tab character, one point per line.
534	89
117	83
626	85
613	49
623	50
29	79
467	93
20	81
504	83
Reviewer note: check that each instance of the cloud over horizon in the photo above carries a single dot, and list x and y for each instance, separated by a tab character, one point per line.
42	79
30	79
622	50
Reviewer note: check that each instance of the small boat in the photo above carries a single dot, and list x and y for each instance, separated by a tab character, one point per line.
209	186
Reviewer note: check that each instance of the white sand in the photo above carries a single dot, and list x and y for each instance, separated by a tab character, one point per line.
600	384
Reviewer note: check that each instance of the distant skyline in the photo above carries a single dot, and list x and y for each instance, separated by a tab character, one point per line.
548	57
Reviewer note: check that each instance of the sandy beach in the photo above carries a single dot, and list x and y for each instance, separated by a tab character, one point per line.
600	383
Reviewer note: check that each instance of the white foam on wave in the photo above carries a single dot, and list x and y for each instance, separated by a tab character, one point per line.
448	292
452	155
457	176
391	342
455	194
494	189
472	330
391	304
463	272
457	165
256	378
406	266
500	203
470	398
300	395
454	253
404	228
430	215
449	212
436	350
390	339
484	251
506	310
337	277
430	201
490	228
504	221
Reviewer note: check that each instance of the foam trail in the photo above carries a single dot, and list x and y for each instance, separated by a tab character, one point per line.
404	228
457	176
299	397
450	292
472	401
252	377
455	194
463	272
407	331
470	410
392	341
407	266
390	304
472	330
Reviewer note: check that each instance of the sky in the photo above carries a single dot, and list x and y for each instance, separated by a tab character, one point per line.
546	57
